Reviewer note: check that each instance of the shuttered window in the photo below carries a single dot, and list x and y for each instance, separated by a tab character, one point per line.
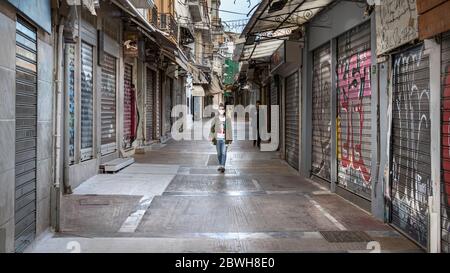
108	104
410	144
87	101
26	133
292	120
354	111
321	113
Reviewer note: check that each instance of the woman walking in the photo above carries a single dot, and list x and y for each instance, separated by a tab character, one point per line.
221	136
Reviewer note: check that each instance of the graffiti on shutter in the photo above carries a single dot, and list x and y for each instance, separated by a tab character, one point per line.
410	144
149	104
354	111
127	111
87	101
26	126
108	101
292	120
70	66
445	143
321	113
158	107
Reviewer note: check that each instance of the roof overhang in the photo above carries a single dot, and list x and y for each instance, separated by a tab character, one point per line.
294	14
268	28
215	87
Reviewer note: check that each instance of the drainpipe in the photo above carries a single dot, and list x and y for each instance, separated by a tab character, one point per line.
57	121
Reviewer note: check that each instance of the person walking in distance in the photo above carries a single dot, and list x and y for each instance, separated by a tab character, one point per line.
257	142
221	136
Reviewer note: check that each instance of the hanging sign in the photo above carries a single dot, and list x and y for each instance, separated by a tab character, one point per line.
130	45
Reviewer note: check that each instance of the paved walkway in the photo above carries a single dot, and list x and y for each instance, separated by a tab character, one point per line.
174	200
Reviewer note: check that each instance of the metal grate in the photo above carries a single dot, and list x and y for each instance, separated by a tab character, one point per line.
26	134
127	107
410	144
321	113
108	101
87	101
354	111
292	120
149	106
445	143
346	236
71	123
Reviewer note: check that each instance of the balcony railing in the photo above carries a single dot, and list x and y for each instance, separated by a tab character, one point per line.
168	24
153	16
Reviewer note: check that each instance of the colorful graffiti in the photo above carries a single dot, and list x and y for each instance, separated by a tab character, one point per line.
71	96
354	91
411	169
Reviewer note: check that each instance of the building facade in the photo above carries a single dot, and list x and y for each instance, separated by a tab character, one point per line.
360	114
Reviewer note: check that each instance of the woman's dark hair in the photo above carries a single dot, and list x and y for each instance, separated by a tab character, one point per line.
221	105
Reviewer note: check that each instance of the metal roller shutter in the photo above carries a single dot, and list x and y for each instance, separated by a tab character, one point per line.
354	111
70	76
168	105
108	101
292	120
410	144
321	113
274	90
87	101
158	105
149	107
26	127
127	111
445	140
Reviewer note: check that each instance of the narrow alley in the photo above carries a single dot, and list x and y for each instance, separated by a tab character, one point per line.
173	199
225	126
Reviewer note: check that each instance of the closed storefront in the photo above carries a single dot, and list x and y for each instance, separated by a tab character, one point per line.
410	144
158	105
128	111
70	111
26	134
321	113
87	101
149	105
292	120
354	111
445	143
274	90
108	105
168	94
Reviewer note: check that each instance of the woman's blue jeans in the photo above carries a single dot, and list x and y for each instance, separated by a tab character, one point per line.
221	152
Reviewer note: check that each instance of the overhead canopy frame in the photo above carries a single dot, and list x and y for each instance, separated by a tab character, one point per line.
267	28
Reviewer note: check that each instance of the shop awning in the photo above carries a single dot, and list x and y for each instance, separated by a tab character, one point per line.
215	86
198	91
279	15
182	60
144	25
272	22
260	50
197	75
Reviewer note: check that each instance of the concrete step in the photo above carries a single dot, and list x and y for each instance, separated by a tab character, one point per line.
116	164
